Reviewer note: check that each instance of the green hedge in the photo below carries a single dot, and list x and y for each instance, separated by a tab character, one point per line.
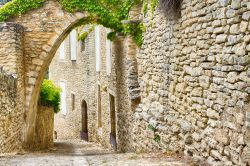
50	95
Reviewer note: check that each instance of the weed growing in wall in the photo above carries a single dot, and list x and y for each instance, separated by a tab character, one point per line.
151	127
157	137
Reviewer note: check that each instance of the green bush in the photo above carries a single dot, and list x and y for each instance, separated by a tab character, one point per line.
50	95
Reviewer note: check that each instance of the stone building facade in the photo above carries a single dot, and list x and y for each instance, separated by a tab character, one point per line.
96	100
72	74
195	80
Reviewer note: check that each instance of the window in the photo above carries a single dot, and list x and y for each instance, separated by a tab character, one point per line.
73	45
63	98
99	107
108	55
73	97
98	48
62	51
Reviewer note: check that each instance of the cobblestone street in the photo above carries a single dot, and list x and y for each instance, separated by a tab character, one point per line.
80	153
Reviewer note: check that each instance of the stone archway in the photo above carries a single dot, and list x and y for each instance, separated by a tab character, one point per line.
37	34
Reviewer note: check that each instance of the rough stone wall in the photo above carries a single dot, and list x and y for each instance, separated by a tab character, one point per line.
124	104
12	87
44	29
90	85
11	116
11	56
194	78
116	85
79	77
44	127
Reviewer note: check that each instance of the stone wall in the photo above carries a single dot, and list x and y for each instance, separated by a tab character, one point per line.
11	56
11	116
194	77
80	80
12	87
44	128
44	29
116	85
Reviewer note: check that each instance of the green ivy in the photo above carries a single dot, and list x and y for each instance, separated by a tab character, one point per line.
17	7
50	95
84	35
108	13
135	30
111	36
153	6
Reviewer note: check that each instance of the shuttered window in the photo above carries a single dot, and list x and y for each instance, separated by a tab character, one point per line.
73	45
62	51
108	55
63	98
98	48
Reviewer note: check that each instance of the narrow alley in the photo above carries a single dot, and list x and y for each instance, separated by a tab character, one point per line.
124	82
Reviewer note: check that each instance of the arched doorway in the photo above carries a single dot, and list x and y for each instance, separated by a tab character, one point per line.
113	138
84	133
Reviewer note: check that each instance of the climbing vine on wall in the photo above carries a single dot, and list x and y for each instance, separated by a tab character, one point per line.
85	34
17	7
108	13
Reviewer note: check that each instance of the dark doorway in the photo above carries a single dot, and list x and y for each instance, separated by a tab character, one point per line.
84	133
112	122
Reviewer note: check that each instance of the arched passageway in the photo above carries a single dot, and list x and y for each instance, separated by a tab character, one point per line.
40	33
84	133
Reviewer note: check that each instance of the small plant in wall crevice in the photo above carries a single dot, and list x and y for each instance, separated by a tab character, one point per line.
157	137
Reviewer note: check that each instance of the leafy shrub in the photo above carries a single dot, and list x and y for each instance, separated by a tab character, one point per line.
50	95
